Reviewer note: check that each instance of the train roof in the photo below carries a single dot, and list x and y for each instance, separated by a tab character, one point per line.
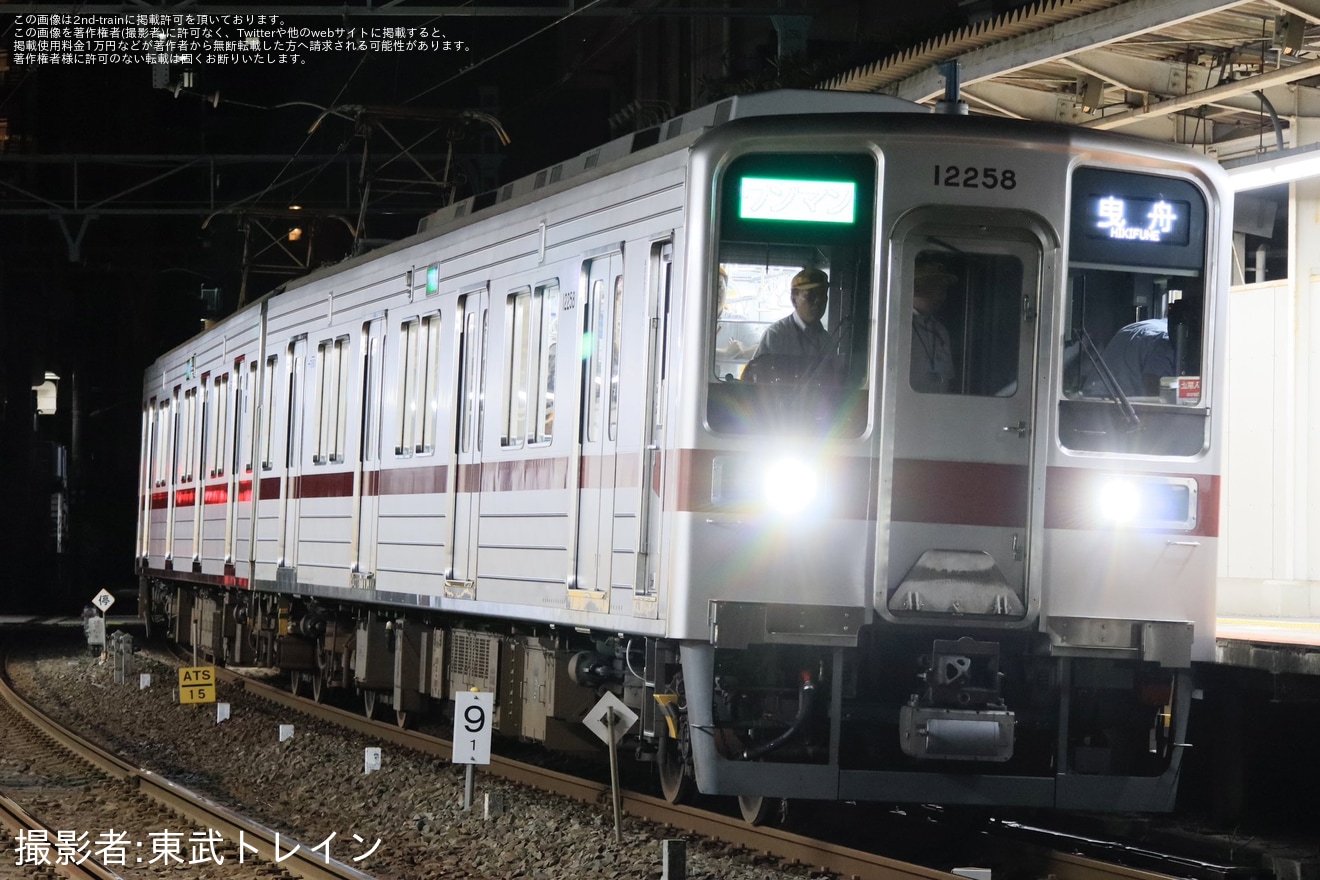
674	135
784	102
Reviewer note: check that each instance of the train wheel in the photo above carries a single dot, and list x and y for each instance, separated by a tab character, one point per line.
369	703
295	682
761	810
319	686
674	761
401	718
321	677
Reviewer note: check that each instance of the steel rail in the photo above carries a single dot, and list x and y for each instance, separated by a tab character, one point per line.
16	819
302	863
778	843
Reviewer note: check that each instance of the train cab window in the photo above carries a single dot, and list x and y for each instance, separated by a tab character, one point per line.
790	295
1134	315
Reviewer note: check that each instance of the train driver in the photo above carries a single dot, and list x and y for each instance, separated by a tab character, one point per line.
798	337
1139	355
932	351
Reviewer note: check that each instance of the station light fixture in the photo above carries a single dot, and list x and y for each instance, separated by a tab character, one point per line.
1270	169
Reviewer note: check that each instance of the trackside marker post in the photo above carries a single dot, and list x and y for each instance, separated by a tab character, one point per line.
472	714
610	719
197	684
103	600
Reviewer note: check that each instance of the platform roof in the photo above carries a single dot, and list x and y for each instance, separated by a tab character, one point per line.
1212	73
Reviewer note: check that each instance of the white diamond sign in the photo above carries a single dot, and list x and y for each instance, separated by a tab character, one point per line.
598	719
103	600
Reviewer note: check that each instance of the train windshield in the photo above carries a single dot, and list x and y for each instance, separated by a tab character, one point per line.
1134	316
790	295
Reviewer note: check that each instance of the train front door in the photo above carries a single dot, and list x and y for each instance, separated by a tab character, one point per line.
600	305
963	352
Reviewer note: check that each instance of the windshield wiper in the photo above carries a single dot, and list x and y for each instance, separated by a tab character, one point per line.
1130	416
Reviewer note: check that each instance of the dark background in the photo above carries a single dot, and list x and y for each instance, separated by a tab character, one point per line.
95	304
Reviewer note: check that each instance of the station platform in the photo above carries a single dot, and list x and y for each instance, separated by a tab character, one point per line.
1288	645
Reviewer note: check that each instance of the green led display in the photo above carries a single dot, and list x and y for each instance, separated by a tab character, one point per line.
432	279
798	201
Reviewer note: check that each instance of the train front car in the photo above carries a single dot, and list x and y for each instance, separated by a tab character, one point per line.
946	519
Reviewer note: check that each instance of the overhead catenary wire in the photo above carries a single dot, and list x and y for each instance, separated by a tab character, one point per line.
503	51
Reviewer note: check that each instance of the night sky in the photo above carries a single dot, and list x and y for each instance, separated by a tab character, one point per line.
134	287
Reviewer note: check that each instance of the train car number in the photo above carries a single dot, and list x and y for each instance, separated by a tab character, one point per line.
971	177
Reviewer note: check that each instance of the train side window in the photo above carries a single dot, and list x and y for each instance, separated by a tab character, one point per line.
428	385
205	448
616	340
186	436
163	423
268	414
473	380
407	384
532	328
219	402
545	387
332	362
596	327
468	415
519	319
243	438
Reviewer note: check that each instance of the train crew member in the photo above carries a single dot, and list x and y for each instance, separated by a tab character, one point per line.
798	335
932	351
1139	355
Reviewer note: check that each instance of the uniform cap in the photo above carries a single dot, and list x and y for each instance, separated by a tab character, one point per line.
934	272
808	279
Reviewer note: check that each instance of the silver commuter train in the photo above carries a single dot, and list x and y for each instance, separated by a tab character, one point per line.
514	452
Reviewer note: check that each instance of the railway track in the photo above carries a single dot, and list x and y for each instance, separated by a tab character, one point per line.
724	836
144	805
777	843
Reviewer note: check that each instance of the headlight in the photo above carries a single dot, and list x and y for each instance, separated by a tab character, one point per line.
790	485
1119	501
1148	502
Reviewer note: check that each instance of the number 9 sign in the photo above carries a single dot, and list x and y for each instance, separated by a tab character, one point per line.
472	723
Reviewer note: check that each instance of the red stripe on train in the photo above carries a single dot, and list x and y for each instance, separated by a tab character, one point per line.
960	493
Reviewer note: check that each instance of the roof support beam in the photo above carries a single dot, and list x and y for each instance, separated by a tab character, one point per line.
1024	103
1088	32
1307	9
1165	80
1218	93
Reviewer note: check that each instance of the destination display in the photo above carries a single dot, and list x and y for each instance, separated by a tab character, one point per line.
803	201
1124	219
1142	221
